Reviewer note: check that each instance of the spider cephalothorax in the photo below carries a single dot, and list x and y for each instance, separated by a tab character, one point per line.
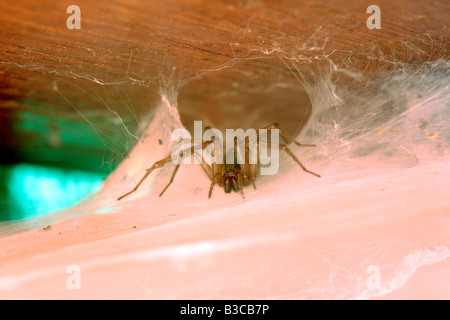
233	177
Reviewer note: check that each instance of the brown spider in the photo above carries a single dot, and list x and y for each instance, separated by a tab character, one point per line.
232	177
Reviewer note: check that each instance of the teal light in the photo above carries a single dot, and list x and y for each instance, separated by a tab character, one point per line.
35	190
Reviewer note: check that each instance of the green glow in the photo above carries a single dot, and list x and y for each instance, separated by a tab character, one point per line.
36	190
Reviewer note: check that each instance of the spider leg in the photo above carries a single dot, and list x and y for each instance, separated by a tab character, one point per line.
216	177
157	164
287	135
247	169
161	163
250	172
240	184
214	171
217	167
204	145
171	179
208	169
254	167
283	147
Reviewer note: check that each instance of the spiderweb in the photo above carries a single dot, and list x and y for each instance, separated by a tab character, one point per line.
383	140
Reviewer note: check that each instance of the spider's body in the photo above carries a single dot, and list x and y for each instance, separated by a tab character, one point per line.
231	176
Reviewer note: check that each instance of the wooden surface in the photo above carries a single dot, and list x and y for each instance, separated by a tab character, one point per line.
64	93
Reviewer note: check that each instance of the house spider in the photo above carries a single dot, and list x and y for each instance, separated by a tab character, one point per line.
232	177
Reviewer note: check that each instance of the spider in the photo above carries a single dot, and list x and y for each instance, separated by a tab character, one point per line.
232	177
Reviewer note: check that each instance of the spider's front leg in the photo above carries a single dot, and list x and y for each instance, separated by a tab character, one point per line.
214	180
157	164
161	163
247	170
240	184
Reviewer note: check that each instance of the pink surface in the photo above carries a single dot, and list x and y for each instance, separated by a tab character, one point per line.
295	237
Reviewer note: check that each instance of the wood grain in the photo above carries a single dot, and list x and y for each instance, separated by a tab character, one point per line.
221	57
